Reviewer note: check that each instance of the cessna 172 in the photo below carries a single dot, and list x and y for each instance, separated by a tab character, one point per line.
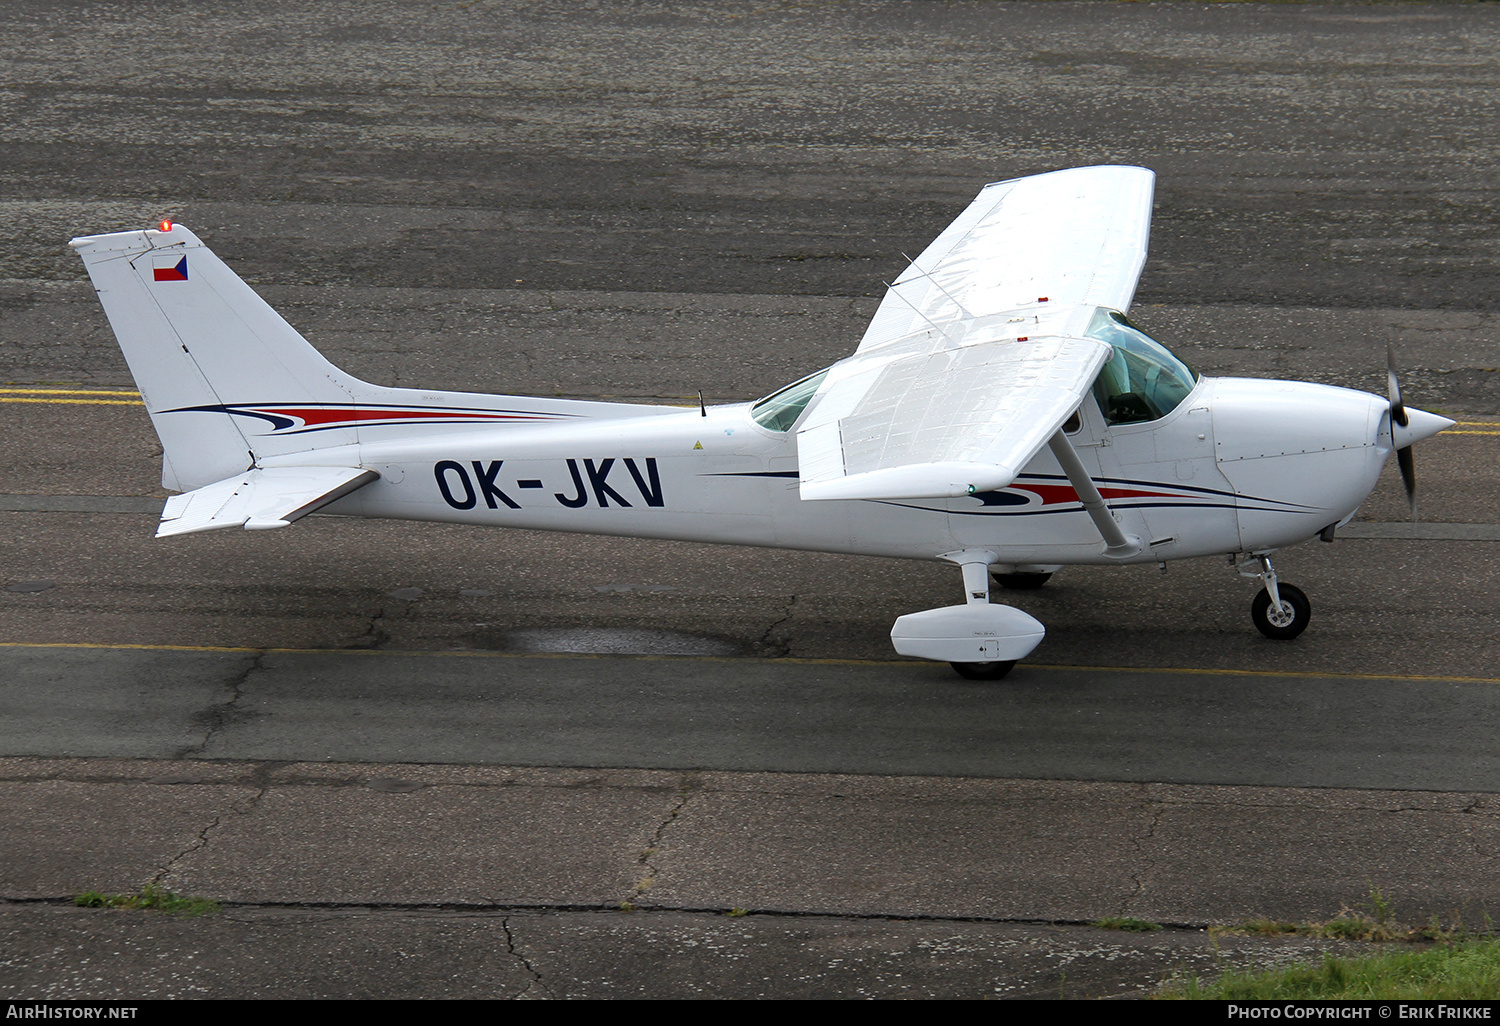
1000	413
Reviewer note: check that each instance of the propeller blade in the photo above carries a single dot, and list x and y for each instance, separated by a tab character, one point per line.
1398	410
1408	477
1400	419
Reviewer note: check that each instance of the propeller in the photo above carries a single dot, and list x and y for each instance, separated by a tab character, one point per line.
1400	419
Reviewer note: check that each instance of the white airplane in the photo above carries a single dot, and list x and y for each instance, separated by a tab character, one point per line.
1000	413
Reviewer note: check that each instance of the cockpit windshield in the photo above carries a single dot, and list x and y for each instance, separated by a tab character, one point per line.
780	410
1142	380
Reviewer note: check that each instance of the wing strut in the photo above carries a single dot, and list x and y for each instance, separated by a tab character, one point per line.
1117	544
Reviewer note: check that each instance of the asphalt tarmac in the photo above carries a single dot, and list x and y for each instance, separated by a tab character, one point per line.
418	760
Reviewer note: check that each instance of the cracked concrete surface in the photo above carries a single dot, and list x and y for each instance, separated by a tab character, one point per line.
215	718
795	715
772	644
379	952
511	949
931	886
375	634
1005	850
649	870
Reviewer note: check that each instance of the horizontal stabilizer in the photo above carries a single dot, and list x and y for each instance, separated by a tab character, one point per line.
260	499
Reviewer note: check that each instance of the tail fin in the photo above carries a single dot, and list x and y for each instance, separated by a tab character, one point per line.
228	382
201	344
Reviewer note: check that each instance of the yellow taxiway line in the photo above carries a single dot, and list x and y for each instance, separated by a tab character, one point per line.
70	396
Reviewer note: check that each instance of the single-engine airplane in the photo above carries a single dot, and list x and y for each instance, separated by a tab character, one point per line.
1000	413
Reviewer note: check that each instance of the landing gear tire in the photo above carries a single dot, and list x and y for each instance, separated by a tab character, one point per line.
1021	582
1283	624
983	671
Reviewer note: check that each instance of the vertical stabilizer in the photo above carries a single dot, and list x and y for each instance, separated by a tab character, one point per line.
200	342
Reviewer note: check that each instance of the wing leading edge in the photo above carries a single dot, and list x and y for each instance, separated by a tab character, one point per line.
977	354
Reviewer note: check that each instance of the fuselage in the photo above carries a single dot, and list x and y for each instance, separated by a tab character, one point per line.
1238	466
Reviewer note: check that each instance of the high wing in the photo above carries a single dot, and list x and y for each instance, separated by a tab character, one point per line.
977	353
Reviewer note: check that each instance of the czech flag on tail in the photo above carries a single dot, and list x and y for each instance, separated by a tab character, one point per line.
168	271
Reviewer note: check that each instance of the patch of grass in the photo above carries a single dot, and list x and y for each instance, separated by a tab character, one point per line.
1127	923
1266	928
150	897
1356	927
1450	972
1436	931
1374	921
735	913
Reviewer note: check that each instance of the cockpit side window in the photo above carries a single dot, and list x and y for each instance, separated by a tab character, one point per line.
1142	380
780	410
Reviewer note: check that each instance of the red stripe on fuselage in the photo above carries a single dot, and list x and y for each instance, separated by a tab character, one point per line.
320	417
1053	495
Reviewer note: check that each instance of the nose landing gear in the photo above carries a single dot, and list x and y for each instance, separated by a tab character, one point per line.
1280	611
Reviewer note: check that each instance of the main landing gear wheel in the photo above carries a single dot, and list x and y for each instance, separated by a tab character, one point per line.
1021	582
983	671
1285	623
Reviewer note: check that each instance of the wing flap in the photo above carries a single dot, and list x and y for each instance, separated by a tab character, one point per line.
948	423
260	499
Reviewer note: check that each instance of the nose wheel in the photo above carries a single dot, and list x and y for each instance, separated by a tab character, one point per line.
1280	611
1287	621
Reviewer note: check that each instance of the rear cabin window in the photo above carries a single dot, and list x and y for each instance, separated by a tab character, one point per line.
780	410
